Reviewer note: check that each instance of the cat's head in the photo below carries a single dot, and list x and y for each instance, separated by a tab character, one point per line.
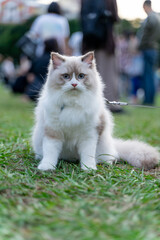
73	74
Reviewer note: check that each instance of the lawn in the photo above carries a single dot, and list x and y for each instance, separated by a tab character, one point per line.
114	202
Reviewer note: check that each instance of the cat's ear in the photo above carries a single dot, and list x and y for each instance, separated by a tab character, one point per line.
57	59
88	58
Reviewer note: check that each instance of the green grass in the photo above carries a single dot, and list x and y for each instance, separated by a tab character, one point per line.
117	202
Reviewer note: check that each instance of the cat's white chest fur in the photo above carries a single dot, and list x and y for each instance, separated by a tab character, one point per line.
71	117
72	112
74	121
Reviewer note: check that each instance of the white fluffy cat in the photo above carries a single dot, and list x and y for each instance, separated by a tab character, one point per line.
73	122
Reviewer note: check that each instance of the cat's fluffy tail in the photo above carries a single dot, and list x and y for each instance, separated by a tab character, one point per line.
137	154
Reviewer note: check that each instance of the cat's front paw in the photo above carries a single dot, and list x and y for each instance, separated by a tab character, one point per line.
46	166
88	168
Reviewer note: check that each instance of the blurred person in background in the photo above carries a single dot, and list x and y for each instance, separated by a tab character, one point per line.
148	37
29	82
123	57
130	63
8	70
52	25
135	68
20	83
1	73
37	74
102	41
75	43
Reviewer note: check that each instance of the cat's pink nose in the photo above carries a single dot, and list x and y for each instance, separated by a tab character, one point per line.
74	84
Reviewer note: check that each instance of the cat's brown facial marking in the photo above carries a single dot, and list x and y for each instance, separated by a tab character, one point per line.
73	67
75	70
78	72
57	83
78	76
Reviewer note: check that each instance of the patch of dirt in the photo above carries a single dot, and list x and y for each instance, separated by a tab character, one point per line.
155	172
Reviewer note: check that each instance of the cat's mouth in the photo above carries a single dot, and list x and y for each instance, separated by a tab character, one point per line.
74	89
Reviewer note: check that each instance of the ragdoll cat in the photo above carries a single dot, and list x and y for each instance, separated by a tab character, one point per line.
73	122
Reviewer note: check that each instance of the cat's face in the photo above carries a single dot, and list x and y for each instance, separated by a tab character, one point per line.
72	74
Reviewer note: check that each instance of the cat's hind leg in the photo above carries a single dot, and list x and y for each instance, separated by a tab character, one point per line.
106	151
37	137
87	151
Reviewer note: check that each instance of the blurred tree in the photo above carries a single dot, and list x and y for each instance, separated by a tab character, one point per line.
75	25
124	26
136	23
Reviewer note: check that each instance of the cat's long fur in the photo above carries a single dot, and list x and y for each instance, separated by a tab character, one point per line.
73	122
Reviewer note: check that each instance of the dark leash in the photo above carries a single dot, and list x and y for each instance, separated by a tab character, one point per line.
114	103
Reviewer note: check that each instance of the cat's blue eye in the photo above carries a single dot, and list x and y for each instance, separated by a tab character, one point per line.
81	76
66	76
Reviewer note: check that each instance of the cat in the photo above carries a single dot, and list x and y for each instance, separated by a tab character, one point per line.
73	122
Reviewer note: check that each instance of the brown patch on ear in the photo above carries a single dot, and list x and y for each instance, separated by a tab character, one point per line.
101	125
88	58
57	59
